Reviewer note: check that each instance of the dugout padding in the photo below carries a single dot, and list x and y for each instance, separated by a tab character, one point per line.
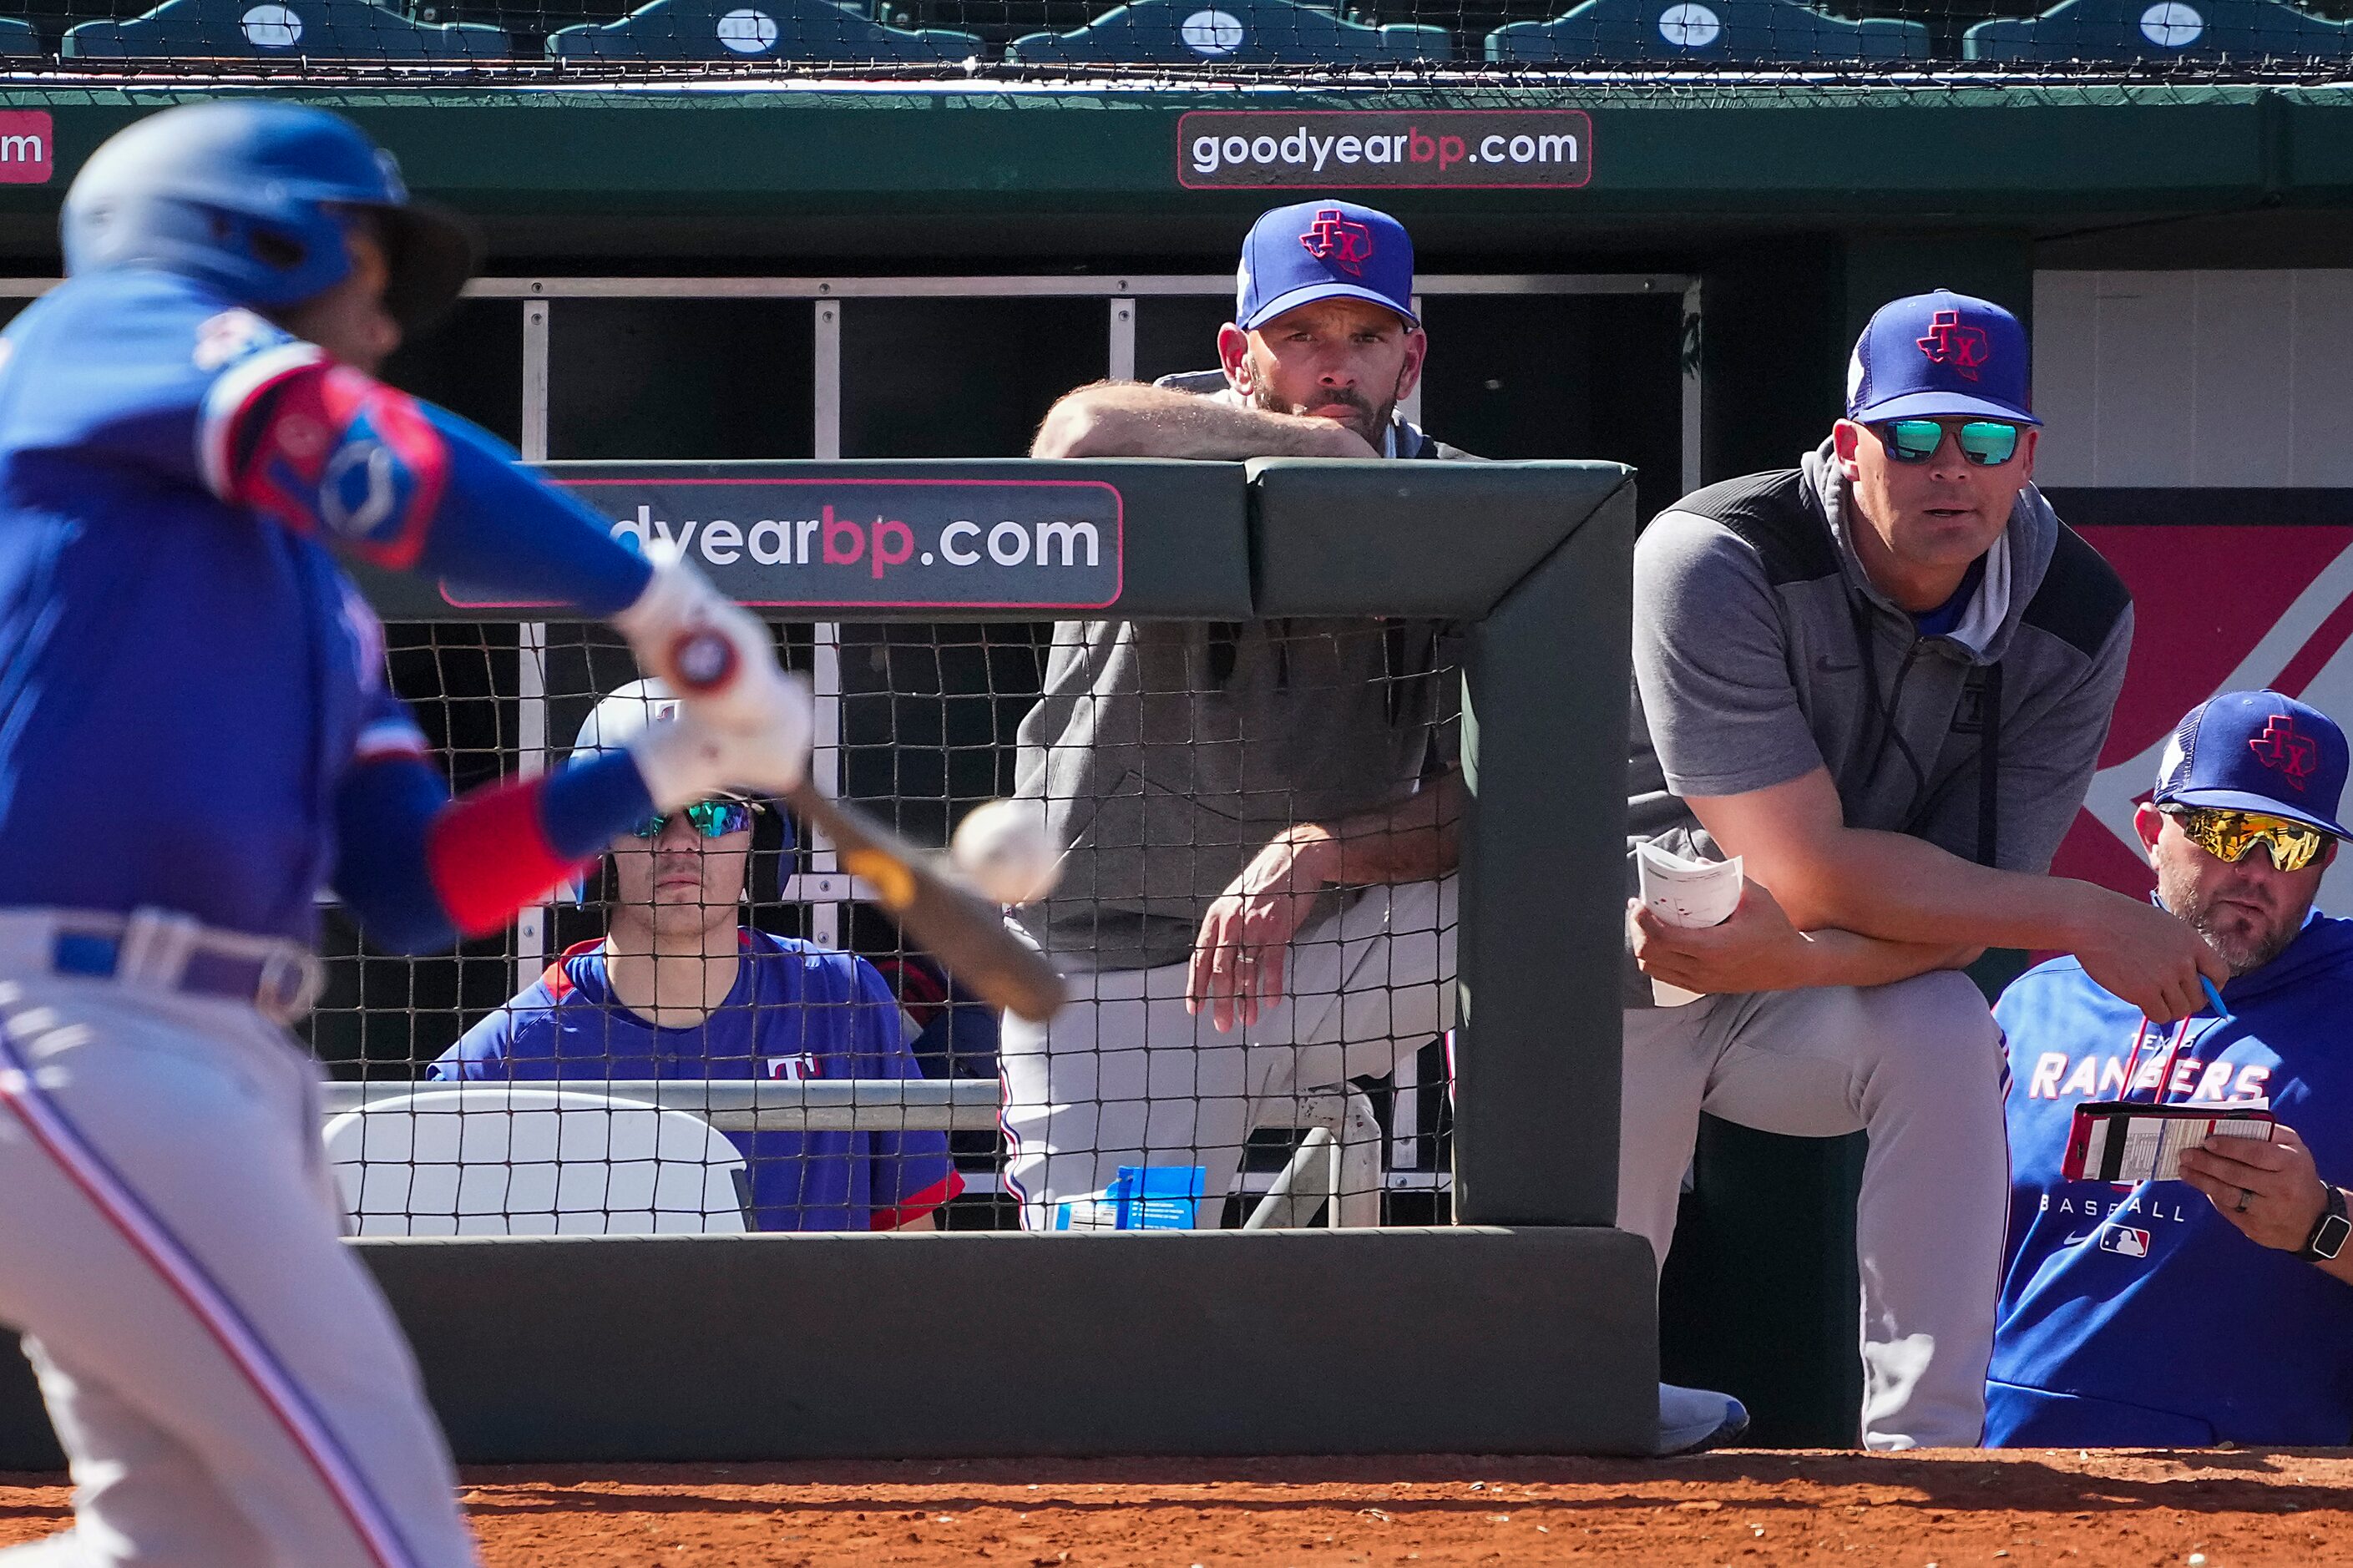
1530	1327
694	1348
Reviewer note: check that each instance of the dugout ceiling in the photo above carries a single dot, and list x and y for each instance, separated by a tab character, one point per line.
907	176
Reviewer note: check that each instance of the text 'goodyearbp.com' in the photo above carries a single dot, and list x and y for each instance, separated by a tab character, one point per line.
1383	149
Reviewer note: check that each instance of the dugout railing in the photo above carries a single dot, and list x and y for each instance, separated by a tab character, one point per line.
1529	1325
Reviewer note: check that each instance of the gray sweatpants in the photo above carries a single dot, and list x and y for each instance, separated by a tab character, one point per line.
1123	1076
223	1372
1917	1065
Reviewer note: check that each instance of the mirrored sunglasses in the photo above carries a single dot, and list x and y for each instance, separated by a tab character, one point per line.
709	819
1988	443
2228	834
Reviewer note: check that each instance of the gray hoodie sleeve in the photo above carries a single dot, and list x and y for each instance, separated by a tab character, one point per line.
1711	663
2049	752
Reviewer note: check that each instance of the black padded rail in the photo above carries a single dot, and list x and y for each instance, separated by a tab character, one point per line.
1220	1343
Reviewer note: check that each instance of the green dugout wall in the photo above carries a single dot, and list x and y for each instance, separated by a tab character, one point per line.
1794	208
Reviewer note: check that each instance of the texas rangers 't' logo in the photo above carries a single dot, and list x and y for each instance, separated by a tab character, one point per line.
2287	749
1949	342
1345	244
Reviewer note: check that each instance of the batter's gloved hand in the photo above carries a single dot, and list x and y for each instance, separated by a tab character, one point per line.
718	657
691	759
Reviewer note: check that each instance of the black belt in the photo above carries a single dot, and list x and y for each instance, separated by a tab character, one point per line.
280	982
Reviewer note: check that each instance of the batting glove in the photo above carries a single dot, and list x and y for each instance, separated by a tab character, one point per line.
690	758
718	657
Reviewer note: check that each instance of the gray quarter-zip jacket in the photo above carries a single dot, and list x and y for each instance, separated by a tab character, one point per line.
1762	652
1168	753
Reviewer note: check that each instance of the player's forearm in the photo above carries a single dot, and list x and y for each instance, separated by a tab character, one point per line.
1129	419
1416	840
1904	889
498	525
1832	957
419	869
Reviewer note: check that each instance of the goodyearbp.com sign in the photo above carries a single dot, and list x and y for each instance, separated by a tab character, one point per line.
1045	545
1348	148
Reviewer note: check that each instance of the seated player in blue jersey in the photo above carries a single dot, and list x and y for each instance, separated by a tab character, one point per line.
2219	1308
679	988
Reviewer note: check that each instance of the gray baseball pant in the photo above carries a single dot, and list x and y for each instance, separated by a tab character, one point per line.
1918	1067
223	1372
1123	1076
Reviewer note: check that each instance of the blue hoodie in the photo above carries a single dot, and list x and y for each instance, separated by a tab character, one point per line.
2138	1316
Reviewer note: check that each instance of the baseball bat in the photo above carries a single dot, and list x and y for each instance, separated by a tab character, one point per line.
963	932
960	929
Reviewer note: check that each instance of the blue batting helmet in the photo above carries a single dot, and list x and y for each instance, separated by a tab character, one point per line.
254	197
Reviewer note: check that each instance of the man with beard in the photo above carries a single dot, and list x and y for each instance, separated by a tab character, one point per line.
1219	790
1881	680
1258	820
2155	1315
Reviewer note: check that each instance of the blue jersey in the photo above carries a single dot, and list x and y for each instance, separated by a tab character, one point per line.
797	1010
2138	1316
183	683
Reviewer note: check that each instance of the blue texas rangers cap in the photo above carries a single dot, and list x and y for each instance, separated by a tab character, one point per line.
1931	356
2257	751
1322	250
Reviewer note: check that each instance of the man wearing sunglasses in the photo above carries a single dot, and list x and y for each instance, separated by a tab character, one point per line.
2215	1308
680	988
1881	678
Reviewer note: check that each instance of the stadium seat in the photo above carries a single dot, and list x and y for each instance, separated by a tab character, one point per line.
1758	31
508	1160
762	31
19	39
1247	31
314	29
2160	29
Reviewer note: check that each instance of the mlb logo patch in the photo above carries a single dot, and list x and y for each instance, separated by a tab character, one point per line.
796	1068
2124	1239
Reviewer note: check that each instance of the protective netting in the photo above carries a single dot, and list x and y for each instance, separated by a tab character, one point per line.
508	41
721	1033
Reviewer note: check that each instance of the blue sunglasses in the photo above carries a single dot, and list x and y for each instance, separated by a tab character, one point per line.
1988	443
709	818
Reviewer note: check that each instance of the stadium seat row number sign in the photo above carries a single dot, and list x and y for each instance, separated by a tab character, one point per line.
1255	149
1031	544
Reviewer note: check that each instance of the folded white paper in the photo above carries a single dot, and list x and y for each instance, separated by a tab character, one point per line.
1687	893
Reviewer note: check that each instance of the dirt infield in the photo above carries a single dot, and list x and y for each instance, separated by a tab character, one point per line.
1745	1507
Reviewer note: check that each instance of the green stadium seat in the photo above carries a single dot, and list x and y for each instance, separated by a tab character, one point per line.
1245	32
755	30
19	39
2161	29
272	29
1716	31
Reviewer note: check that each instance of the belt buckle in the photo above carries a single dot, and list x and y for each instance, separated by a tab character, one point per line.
289	982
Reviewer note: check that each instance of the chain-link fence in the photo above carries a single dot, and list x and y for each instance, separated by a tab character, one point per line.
713	1030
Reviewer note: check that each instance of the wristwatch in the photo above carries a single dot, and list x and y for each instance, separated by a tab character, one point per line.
2328	1231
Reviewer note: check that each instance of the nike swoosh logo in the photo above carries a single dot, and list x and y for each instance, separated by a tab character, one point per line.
2081	1236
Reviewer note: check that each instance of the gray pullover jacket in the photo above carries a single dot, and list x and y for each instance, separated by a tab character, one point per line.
1762	652
1168	753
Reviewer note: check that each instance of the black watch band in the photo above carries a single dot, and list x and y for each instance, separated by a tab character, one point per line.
2329	1232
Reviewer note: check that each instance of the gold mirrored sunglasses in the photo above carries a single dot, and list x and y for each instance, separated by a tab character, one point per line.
2228	834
